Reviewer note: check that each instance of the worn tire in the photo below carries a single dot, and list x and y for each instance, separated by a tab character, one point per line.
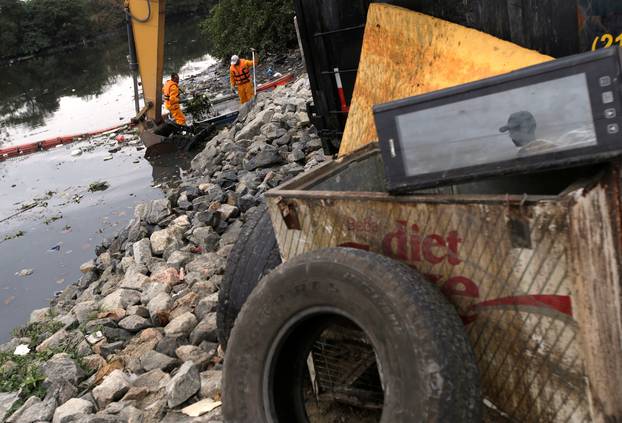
254	254
426	362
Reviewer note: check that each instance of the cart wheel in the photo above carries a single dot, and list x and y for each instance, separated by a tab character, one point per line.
347	335
254	254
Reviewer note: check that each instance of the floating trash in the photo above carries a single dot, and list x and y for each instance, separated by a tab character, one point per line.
99	186
24	272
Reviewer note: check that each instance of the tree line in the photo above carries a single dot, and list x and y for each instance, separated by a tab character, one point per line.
234	26
32	26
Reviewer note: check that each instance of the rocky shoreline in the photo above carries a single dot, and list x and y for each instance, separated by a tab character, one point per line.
134	340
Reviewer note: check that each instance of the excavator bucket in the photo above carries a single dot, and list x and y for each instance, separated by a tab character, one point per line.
148	29
406	53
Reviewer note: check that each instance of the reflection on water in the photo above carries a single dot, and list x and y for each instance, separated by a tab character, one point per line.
87	88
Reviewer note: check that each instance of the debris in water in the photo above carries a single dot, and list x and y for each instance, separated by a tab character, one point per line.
52	219
76	152
66	229
99	186
60	281
15	235
22	350
108	158
55	248
24	272
114	149
120	138
9	300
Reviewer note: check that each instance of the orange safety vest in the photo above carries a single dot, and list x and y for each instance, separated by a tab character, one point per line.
241	74
171	96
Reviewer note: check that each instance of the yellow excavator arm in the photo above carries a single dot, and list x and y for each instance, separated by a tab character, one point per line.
146	20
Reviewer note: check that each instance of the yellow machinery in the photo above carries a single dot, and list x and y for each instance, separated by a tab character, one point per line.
145	20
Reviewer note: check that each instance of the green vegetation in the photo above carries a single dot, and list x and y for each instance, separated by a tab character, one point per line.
234	26
23	373
31	26
38	331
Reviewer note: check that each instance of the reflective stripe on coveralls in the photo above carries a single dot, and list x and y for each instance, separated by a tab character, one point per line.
170	92
240	76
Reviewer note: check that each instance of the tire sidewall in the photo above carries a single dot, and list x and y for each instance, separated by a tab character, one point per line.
409	368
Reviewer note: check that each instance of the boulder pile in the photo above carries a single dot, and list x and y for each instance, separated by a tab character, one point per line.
135	338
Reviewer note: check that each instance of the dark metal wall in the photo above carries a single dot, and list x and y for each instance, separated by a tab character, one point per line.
332	36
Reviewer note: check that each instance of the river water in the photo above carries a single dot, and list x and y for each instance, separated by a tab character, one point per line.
86	88
77	91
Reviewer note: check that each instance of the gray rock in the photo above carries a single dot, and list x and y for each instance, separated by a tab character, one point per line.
138	310
134	280
136	230
206	305
155	211
183	385
134	323
211	382
303	118
7	400
207	265
160	308
87	267
54	341
181	325
264	158
160	241
34	410
142	251
107	349
132	414
84	311
272	131
75	406
183	202
228	211
205	330
296	155
154	379
153	360
121	298
152	289
178	259
61	368
251	129
114	386
169	344
208	158
40	315
206	238
195	354
284	140
246	202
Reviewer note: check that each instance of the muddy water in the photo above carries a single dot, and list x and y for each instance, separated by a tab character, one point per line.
86	88
61	232
82	90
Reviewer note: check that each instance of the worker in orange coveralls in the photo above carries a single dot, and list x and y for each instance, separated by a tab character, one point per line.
171	99
242	78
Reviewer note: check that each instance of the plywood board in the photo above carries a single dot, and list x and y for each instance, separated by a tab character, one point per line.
407	53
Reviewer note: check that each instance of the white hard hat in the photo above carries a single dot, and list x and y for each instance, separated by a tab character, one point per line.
234	59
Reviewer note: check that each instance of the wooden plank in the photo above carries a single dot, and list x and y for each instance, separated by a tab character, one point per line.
596	246
407	53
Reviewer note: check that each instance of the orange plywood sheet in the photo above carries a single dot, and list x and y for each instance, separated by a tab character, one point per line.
406	53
